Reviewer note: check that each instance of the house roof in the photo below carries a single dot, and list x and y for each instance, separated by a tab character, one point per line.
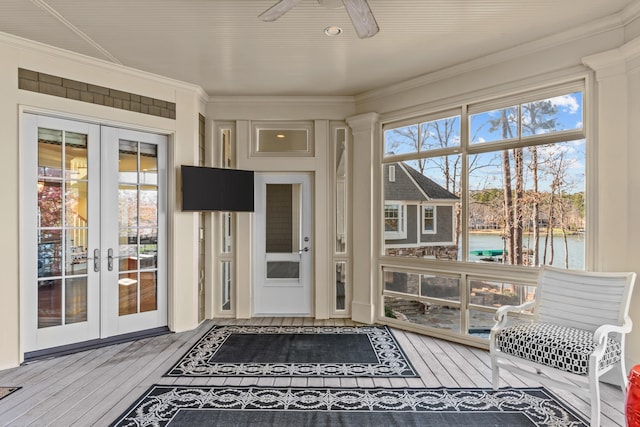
411	185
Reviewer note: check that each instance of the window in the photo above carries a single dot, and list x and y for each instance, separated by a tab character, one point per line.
522	162
508	189
428	219
394	221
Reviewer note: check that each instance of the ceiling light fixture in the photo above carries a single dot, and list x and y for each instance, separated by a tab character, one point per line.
358	10
280	136
333	30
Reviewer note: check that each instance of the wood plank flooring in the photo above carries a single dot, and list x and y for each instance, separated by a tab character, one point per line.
93	387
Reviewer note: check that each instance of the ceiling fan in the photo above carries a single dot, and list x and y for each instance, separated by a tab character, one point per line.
358	10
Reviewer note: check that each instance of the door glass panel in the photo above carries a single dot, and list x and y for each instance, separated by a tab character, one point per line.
283	218
49	203
49	153
76	300
148	206
138	222
148	291
128	205
49	253
62	227
341	191
49	303
128	293
283	270
226	285
341	282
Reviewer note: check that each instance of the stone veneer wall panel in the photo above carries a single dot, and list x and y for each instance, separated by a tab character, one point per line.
85	92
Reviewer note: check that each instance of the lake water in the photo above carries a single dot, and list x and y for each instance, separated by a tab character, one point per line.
575	243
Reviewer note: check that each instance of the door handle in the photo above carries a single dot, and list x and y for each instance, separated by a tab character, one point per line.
96	260
110	259
305	249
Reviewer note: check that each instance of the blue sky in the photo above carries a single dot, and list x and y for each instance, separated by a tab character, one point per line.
565	159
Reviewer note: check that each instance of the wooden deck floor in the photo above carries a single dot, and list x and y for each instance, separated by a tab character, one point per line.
94	387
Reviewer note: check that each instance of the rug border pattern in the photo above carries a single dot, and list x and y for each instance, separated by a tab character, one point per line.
160	403
392	361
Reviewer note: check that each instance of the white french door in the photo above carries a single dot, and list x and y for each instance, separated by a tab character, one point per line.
93	235
282	245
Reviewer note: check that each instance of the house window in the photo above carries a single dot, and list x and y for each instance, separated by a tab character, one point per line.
428	219
394	221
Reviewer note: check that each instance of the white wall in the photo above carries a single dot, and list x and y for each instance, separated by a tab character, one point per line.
18	53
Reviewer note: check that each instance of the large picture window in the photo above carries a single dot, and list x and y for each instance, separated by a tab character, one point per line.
522	163
485	187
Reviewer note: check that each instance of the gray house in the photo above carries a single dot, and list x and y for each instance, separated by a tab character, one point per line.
418	212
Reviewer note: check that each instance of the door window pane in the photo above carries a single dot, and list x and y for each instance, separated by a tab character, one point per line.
49	153
341	191
138	219
341	285
128	205
148	291
226	285
283	218
148	206
128	294
283	270
49	303
50	208
75	300
62	221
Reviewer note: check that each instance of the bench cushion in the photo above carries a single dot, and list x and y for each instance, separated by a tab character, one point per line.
560	347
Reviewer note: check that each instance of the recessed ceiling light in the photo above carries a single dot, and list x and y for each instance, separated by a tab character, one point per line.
333	30
280	135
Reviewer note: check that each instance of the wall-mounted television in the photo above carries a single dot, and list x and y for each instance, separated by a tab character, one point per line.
216	189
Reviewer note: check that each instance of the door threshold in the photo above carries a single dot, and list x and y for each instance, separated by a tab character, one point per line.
63	350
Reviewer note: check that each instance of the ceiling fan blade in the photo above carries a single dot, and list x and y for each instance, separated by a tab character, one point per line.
278	9
362	18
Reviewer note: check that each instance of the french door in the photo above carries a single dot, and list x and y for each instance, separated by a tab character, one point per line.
94	240
282	245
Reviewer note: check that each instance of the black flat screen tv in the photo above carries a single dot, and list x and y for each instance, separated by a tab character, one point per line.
216	189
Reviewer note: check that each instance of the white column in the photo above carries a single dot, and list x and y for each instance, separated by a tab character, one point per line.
617	175
365	145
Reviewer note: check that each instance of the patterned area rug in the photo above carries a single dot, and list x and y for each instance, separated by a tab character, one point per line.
258	406
6	391
290	351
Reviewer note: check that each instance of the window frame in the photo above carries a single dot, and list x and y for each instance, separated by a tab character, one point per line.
516	94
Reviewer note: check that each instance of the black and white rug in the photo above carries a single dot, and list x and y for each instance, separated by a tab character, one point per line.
289	351
258	406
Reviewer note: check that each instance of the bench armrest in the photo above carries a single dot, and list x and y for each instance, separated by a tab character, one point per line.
501	314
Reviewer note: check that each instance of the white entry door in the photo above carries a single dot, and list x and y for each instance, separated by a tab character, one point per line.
93	238
282	245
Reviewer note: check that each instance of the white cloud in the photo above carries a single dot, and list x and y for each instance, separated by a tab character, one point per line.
568	103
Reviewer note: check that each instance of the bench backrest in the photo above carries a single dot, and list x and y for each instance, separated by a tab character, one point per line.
584	300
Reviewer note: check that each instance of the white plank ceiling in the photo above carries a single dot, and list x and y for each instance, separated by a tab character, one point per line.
223	47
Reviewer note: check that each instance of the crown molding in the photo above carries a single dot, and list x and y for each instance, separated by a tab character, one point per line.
291	100
58	53
609	23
